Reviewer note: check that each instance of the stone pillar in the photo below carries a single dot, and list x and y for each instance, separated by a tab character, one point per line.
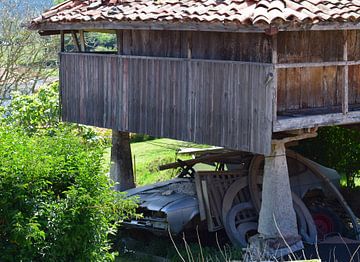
121	163
277	219
277	211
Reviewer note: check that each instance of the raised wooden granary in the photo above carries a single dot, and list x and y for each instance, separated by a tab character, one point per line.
226	73
231	73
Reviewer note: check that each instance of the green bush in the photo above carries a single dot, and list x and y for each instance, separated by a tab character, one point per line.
56	202
338	148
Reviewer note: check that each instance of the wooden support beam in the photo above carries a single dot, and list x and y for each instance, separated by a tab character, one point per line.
119	42
82	41
345	91
189	45
275	77
293	123
62	40
76	41
317	64
121	162
186	26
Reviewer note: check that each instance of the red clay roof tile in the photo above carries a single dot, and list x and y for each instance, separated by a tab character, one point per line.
226	11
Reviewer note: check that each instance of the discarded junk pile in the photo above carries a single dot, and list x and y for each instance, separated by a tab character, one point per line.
222	190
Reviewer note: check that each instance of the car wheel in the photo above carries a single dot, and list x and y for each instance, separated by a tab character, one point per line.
326	221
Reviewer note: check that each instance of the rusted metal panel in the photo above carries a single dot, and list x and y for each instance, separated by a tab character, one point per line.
222	103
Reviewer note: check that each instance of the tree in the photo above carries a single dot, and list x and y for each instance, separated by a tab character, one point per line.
25	57
338	148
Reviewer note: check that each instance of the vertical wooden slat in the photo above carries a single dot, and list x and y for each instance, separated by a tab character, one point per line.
275	76
82	41
62	41
345	92
119	42
218	103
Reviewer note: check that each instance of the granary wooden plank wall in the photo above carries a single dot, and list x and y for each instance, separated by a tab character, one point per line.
219	88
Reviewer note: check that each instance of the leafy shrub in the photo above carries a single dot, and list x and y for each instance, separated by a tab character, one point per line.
39	113
335	147
56	203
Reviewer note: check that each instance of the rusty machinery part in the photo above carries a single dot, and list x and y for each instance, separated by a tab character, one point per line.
238	234
255	181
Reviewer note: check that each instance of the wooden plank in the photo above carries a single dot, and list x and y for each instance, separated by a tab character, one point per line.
153	97
82	41
310	46
119	42
275	76
345	90
200	197
294	123
62	41
76	41
186	25
354	85
316	64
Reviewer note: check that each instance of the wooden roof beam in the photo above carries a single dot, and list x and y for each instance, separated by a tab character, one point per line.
55	28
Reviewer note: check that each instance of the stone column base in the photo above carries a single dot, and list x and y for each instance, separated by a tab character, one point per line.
262	249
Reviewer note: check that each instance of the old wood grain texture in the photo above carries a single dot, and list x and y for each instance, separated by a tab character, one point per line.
354	86
301	88
204	45
310	46
353	40
345	86
214	102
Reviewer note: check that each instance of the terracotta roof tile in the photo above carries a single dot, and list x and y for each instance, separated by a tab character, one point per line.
250	12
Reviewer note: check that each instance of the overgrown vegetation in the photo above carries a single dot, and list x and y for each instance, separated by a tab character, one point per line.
338	148
56	203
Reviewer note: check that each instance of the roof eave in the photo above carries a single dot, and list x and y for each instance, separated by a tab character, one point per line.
148	25
190	26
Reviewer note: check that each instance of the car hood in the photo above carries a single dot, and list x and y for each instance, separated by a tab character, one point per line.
158	196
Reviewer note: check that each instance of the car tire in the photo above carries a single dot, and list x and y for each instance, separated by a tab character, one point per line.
327	221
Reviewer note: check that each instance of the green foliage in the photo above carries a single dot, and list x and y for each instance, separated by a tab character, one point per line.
56	202
35	112
338	148
39	113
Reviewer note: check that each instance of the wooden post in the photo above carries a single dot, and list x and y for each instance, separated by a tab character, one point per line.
76	41
82	40
62	37
121	163
119	41
275	80
345	92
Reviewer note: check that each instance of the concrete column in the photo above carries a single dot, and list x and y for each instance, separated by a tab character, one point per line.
121	162
277	217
